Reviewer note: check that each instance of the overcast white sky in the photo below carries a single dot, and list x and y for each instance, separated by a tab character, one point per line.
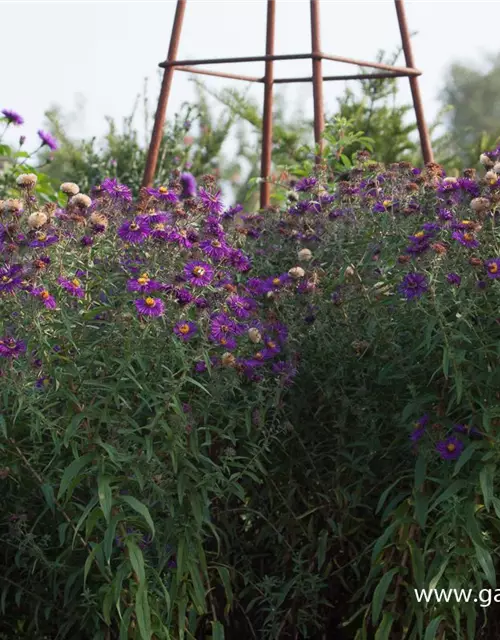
53	51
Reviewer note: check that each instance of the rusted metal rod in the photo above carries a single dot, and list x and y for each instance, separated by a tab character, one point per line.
220	74
358	76
410	71
266	58
156	136
319	117
267	120
425	141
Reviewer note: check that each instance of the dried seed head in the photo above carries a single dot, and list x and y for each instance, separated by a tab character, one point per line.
254	335
99	219
305	255
81	200
296	273
485	161
490	177
12	205
228	359
449	180
37	220
349	272
26	180
480	204
70	188
439	247
404	259
496	167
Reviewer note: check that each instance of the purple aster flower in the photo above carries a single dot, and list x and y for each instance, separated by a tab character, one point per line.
185	330
454	278
468	185
188	182
336	213
164	194
379	207
115	190
183	296
86	241
285	370
466	238
239	260
10	278
201	366
72	286
215	249
134	232
445	214
42	293
149	306
43	240
214	228
43	383
180	236
11	348
306	184
211	200
257	287
414	285
199	273
481	284
201	303
276	283
493	268
47	140
232	211
12	117
241	307
144	284
223	328
450	449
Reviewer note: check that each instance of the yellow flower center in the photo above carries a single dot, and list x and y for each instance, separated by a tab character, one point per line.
44	295
76	282
46	382
163	190
276	281
184	328
271	344
259	356
199	271
451	447
223	341
133	226
493	267
6	279
420	234
150	302
159	226
224	328
468	237
387	203
42	237
216	243
183	233
466	222
144	279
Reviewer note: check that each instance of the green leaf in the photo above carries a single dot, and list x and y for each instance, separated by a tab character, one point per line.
72	471
226	581
421	509
89	561
454	488
217	631
105	496
420	471
486	478
73	427
140	508
136	560
465	457
485	560
383	632
48	494
417	564
142	613
380	592
431	631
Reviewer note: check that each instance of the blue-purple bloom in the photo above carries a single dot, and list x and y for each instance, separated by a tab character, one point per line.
10	278
73	287
149	306
43	240
42	293
164	194
454	278
306	184
144	284
215	249
115	190
199	273
188	182
493	268
414	285
185	330
465	238
211	201
134	232
11	348
450	449
12	117
240	306
47	140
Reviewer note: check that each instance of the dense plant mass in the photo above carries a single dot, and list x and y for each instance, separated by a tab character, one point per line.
225	424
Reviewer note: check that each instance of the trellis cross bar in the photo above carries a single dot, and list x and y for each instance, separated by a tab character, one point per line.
268	80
